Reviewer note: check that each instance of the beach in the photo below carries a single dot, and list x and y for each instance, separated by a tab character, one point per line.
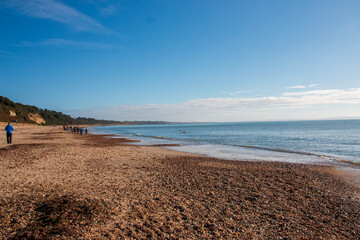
57	185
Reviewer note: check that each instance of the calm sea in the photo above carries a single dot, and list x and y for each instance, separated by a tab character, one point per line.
295	141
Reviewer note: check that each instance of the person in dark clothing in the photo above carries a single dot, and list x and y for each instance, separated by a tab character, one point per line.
9	129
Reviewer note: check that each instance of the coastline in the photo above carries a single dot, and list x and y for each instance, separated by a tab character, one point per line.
349	168
320	142
56	185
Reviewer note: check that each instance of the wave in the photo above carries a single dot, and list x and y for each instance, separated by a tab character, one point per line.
278	150
326	157
161	137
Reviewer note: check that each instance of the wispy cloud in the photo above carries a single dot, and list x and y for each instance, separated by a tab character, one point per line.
108	11
215	109
315	92
107	8
77	44
59	42
58	12
238	92
6	54
313	85
350	28
302	86
296	87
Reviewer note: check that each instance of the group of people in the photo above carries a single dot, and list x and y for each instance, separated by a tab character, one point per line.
9	130
76	129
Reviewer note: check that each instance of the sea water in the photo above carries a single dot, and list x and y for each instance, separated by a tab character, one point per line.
292	141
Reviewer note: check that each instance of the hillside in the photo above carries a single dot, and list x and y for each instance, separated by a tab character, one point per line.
11	111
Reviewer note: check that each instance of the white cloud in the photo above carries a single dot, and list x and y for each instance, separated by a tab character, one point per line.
58	12
303	87
296	87
283	107
314	92
239	92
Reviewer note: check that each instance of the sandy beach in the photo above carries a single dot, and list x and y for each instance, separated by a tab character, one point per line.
57	185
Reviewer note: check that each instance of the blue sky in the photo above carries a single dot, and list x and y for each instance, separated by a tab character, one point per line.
175	60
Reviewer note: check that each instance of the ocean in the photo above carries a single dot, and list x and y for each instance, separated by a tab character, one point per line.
329	142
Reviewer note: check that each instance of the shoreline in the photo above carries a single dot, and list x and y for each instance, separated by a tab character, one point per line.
347	167
56	185
224	150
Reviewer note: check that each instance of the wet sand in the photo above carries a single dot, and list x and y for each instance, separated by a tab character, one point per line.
63	186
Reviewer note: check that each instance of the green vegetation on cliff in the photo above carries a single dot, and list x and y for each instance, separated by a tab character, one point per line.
11	111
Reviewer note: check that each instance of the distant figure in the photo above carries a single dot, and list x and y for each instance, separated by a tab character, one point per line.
86	130
9	129
81	131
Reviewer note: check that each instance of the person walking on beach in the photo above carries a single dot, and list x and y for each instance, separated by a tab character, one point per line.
9	129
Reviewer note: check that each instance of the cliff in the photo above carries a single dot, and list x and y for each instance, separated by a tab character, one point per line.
11	111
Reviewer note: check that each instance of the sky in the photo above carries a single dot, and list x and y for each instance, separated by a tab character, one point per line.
183	60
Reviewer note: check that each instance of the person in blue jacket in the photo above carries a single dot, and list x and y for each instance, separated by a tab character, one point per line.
9	129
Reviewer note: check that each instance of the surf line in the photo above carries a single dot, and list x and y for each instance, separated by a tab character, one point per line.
301	153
